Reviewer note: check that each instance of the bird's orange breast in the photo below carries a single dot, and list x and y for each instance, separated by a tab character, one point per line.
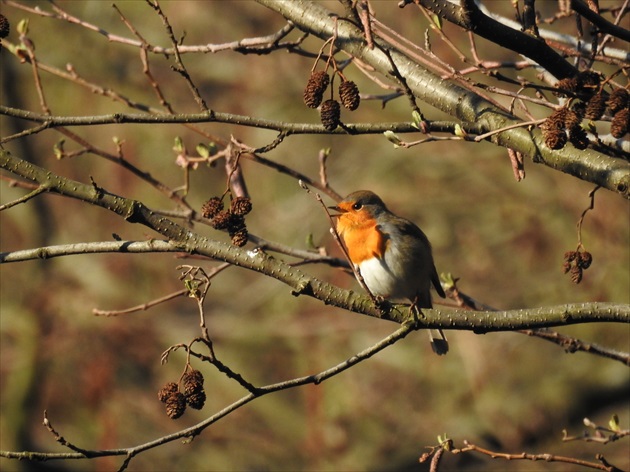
362	237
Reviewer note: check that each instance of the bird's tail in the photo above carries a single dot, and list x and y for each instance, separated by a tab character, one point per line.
439	344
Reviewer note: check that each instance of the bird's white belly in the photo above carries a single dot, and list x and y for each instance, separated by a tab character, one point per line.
380	279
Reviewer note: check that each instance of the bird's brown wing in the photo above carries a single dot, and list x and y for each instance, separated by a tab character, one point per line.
412	229
436	283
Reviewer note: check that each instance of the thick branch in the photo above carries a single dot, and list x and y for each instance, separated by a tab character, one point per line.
470	17
51	121
130	247
465	105
183	239
602	23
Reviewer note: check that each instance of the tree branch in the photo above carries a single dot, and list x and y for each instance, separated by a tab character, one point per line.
469	16
602	23
218	117
183	239
195	430
463	104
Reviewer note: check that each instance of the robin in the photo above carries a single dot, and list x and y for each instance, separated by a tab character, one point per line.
391	253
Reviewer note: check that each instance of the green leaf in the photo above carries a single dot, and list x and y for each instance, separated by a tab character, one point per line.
448	279
613	423
392	137
22	27
459	131
203	150
417	119
310	242
178	147
213	148
437	21
58	149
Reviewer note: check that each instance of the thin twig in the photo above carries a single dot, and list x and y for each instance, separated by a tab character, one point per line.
61	440
469	447
180	68
144	57
591	196
142	307
25	198
522	124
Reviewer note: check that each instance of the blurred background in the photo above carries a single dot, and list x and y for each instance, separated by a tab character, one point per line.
98	377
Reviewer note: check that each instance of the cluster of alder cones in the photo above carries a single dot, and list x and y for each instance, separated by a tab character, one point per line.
589	101
575	262
193	395
330	110
5	26
232	220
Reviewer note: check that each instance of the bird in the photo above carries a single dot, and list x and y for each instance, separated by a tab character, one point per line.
391	253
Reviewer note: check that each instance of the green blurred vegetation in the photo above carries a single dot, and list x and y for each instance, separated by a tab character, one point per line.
98	377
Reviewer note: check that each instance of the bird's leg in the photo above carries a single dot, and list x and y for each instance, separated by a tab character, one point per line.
381	303
415	311
439	343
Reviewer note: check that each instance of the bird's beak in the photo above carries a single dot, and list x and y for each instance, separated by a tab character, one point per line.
337	209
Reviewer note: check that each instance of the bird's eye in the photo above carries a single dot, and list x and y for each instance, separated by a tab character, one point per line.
357	206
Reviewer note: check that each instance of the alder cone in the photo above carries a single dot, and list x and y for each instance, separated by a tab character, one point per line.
240	238
554	129
241	206
576	274
221	220
578	137
175	405
618	100
193	382
568	84
212	207
595	107
315	88
5	26
555	139
585	259
196	400
588	79
330	114
572	119
165	392
349	95
620	123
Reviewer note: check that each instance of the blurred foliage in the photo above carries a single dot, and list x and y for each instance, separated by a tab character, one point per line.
98	377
